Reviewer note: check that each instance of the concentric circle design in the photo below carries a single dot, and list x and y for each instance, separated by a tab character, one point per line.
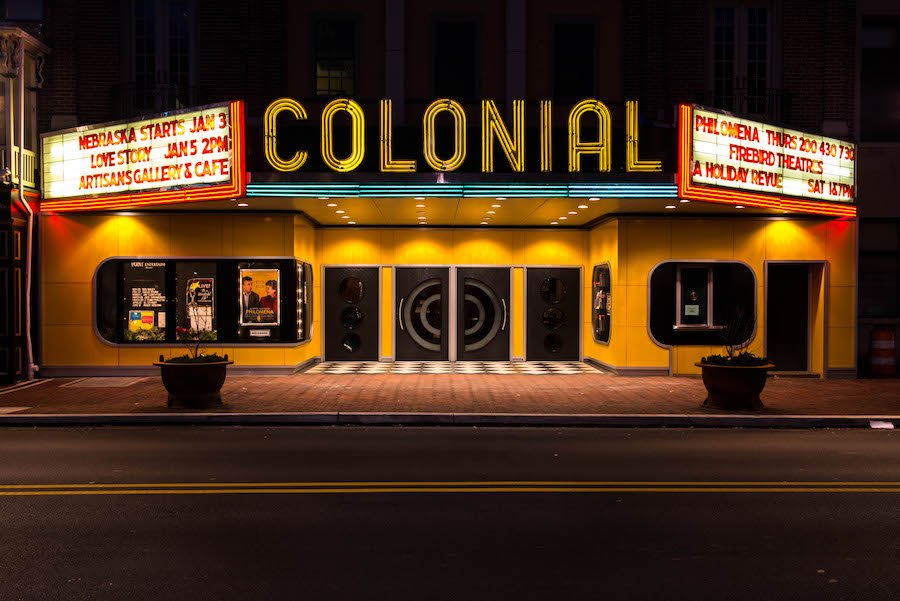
422	314
482	314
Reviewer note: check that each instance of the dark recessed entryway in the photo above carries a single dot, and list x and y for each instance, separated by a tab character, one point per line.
482	313
421	322
787	315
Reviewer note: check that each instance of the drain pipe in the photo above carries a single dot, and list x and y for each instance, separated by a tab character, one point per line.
29	354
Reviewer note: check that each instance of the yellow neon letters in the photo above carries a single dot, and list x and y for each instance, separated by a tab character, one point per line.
270	134
510	136
388	164
492	126
459	135
601	146
357	135
546	135
633	162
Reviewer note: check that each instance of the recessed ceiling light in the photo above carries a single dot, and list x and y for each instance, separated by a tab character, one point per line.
592	198
573	212
421	217
243	204
339	211
582	206
496	206
501	198
420	206
422	223
554	223
331	204
670	206
324	197
420	198
351	223
484	223
345	216
683	200
739	206
492	212
562	217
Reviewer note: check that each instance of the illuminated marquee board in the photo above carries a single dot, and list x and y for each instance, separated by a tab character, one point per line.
737	161
185	156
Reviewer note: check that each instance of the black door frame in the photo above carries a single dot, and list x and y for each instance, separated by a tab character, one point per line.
452	289
580	269
811	311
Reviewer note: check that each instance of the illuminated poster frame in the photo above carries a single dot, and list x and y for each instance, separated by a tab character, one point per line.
235	187
689	190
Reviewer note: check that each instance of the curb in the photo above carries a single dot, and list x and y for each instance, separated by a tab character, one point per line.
455	419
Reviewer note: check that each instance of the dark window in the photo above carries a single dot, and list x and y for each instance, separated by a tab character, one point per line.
880	79
456	51
574	61
162	38
724	298
757	59
741	55
335	56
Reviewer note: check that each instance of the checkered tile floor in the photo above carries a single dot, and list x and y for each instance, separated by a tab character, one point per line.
446	367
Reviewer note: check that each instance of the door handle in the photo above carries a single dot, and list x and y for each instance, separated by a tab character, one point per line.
503	300
400	312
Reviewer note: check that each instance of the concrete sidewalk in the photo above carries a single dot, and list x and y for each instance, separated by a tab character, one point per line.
579	399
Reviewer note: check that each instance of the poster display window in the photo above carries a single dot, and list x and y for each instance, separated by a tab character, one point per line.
140	300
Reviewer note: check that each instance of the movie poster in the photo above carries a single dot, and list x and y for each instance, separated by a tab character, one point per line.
145	297
259	297
195	310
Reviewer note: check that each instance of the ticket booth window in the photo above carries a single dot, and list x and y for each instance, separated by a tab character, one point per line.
694	296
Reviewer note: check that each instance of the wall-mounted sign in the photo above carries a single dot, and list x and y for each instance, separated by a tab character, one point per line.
727	159
507	134
259	297
190	155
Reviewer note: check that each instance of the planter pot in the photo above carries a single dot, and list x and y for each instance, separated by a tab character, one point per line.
734	386
195	385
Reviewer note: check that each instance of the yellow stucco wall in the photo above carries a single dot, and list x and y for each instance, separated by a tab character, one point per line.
73	246
634	246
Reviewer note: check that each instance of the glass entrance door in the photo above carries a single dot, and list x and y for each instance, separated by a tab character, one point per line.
421	313
482	309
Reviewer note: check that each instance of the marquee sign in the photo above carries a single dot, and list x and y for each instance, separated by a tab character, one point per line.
182	156
738	161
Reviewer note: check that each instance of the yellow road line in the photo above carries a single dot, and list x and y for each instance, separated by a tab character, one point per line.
480	487
461	483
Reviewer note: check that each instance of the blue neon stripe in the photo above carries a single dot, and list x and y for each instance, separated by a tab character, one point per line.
510	190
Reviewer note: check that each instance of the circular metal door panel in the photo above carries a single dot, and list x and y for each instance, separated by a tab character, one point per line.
482	314
422	314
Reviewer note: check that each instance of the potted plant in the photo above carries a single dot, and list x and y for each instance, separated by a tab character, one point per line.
736	379
194	379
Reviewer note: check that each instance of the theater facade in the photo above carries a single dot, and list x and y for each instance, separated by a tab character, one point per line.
536	231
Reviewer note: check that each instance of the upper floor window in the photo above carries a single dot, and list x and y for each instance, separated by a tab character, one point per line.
574	61
335	57
455	59
161	57
741	58
880	79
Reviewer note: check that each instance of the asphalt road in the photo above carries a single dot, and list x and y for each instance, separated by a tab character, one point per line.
424	513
